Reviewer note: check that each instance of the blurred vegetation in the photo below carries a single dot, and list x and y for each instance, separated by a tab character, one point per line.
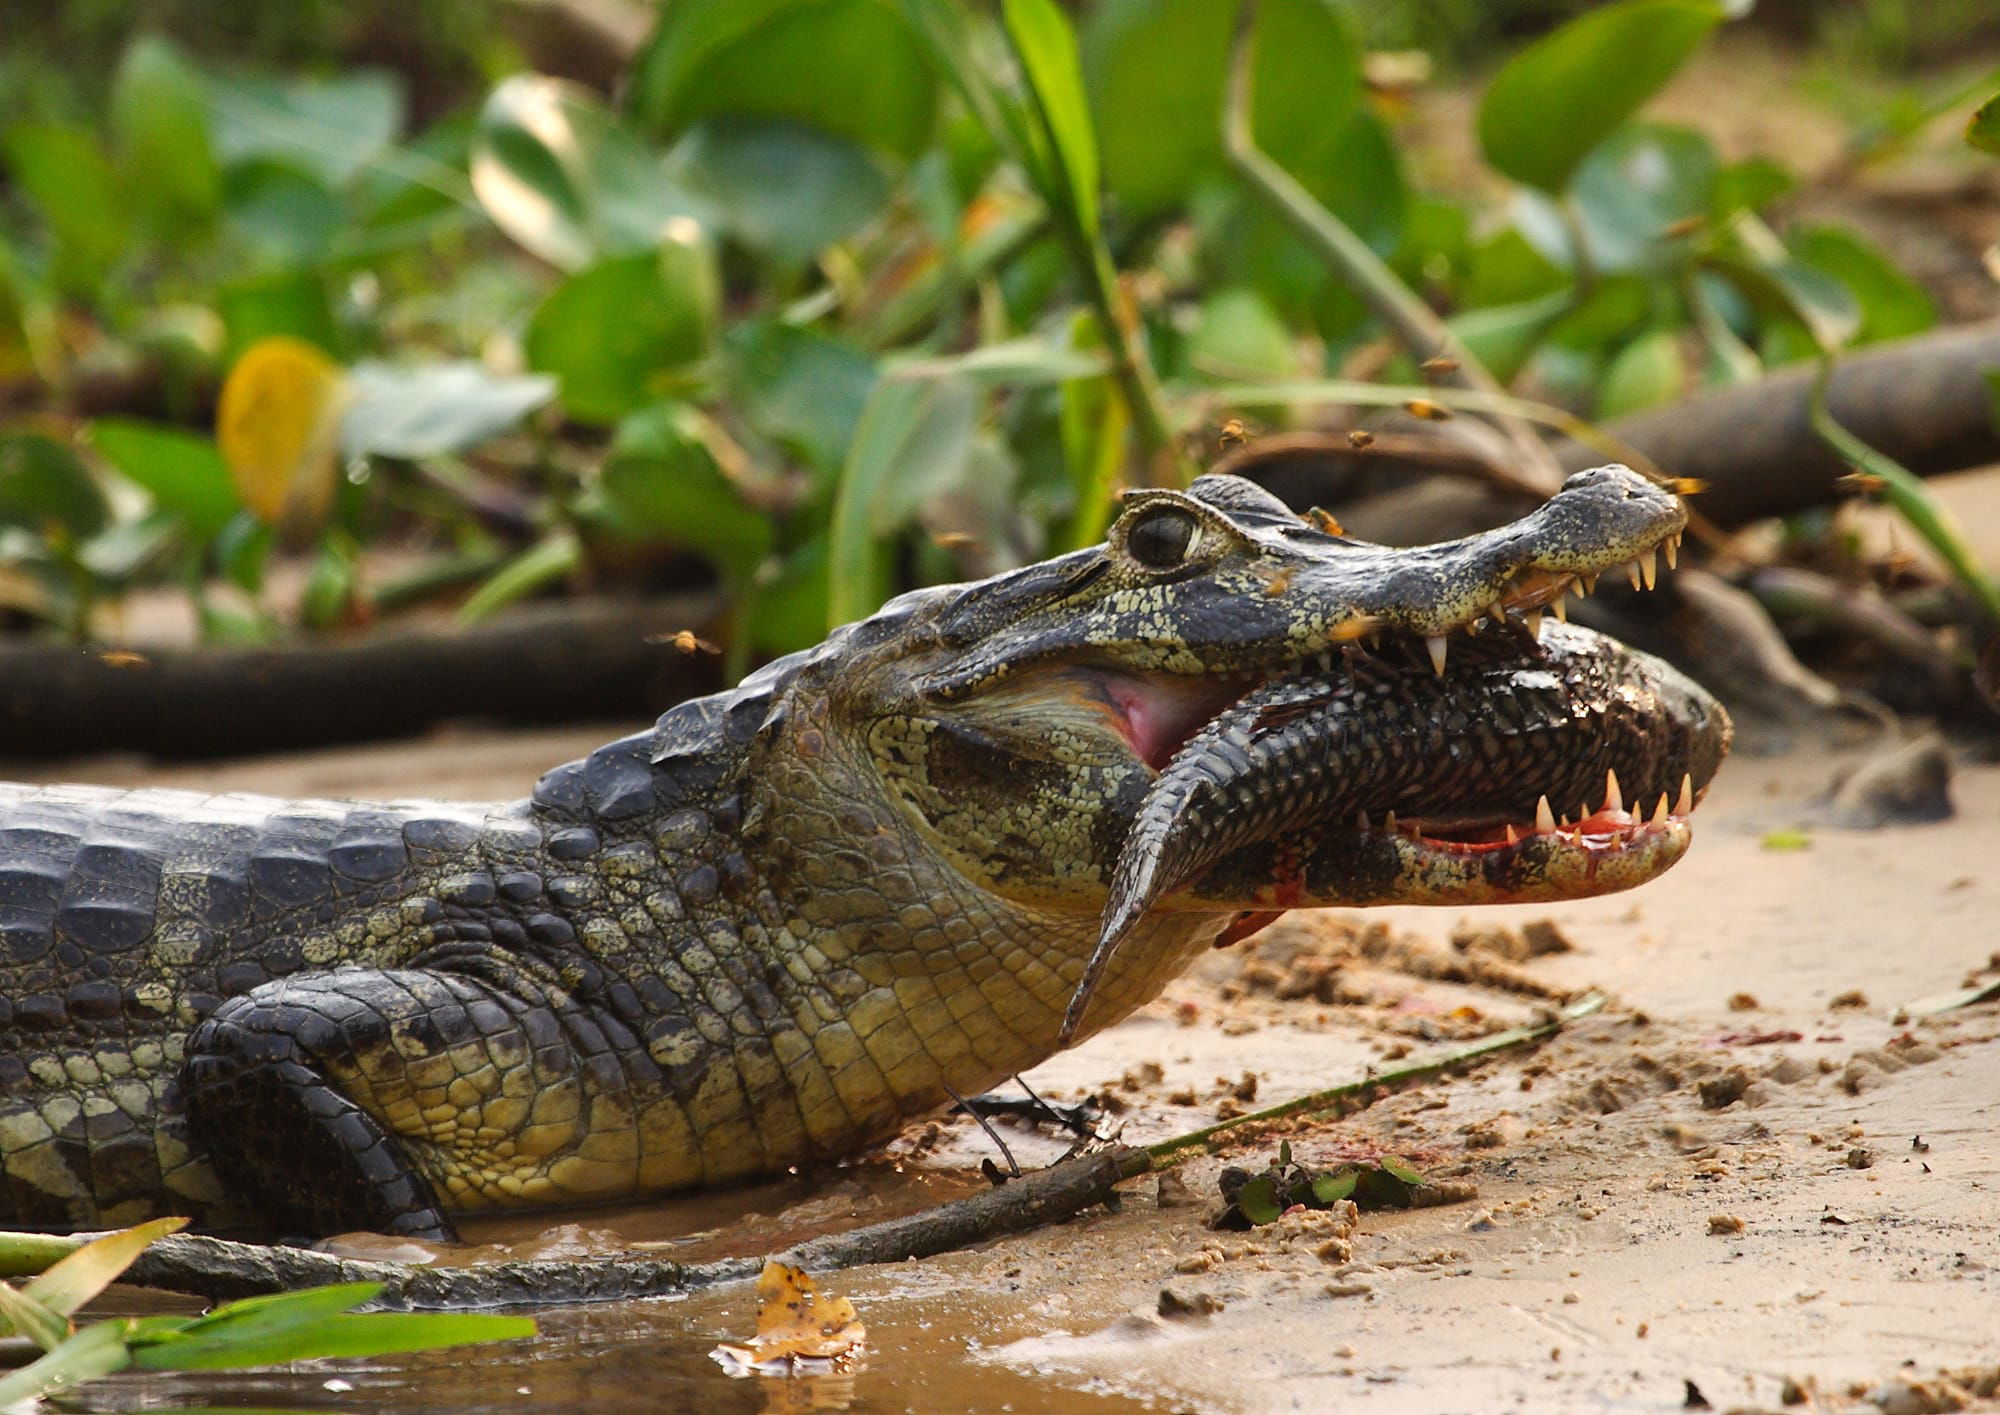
834	296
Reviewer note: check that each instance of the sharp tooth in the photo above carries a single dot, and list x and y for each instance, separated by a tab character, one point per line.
1545	819
1512	834
1560	606
1632	573
1648	568
1589	583
1612	800
1660	811
1685	805
1533	619
1498	611
1435	643
1361	819
1564	819
1389	823
1673	549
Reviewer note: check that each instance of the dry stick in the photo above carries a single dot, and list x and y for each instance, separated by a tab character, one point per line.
1393	302
219	1269
1167	1153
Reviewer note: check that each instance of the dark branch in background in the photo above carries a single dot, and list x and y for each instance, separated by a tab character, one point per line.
556	662
1350	258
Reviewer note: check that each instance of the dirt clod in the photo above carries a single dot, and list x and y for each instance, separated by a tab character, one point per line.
1723	1090
1725	1224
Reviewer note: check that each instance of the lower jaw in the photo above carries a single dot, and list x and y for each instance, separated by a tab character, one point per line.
1350	867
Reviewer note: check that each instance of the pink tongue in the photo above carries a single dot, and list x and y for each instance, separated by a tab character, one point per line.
1161	714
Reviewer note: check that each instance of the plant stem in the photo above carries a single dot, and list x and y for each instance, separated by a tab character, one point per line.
1168	1153
1412	321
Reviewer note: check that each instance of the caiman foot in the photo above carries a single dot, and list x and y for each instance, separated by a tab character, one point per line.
285	1139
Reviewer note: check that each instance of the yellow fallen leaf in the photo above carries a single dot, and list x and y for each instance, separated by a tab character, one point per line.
800	1330
278	425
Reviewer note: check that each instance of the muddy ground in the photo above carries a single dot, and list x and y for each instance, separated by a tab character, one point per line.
1751	1168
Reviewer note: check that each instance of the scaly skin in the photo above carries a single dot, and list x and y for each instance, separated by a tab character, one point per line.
789	917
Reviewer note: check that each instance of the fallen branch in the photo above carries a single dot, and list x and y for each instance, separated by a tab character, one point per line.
1356	1095
219	1269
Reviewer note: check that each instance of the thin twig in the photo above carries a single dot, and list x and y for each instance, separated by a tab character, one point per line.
1168	1153
1412	321
1013	1167
219	1269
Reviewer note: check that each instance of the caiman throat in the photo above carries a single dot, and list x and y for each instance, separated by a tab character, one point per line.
914	860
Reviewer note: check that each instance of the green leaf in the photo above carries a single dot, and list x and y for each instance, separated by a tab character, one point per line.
184	473
44	486
565	178
66	175
310	1336
799	388
21	1315
852	68
1646	373
1401	1168
1567	92
913	441
1818	303
259	1316
1892	305
1504	337
1749	185
1257	1200
96	1350
330	128
431	409
279	217
660	482
1094	423
1238	336
1786	840
159	116
781	187
789	611
292	301
75	1278
1633	195
1983	130
1330	1189
1156	70
612	334
555	557
1011	363
331	584
1045	45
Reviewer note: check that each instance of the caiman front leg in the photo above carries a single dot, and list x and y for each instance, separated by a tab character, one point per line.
370	1099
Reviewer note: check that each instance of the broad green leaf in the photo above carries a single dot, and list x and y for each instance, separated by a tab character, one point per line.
613	334
1983	130
1892	304
331	127
1633	197
912	442
1749	185
1645	373
258	1316
1156	73
1818	303
44	486
788	612
96	1350
1045	45
852	68
126	549
309	1325
801	389
66	175
277	424
1330	1189
184	473
660	482
1257	1200
555	557
564	177
781	187
277	216
1401	1168
1567	92
296	302
75	1278
427	410
160	118
1238	336
1504	337
1507	269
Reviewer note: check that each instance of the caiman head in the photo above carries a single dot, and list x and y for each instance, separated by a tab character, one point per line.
1230	709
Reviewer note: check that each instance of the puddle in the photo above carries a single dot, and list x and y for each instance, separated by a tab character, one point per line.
924	1354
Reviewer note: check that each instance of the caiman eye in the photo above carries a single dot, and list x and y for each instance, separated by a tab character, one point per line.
1160	538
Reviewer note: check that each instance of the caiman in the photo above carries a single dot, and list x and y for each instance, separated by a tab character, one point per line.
792	916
